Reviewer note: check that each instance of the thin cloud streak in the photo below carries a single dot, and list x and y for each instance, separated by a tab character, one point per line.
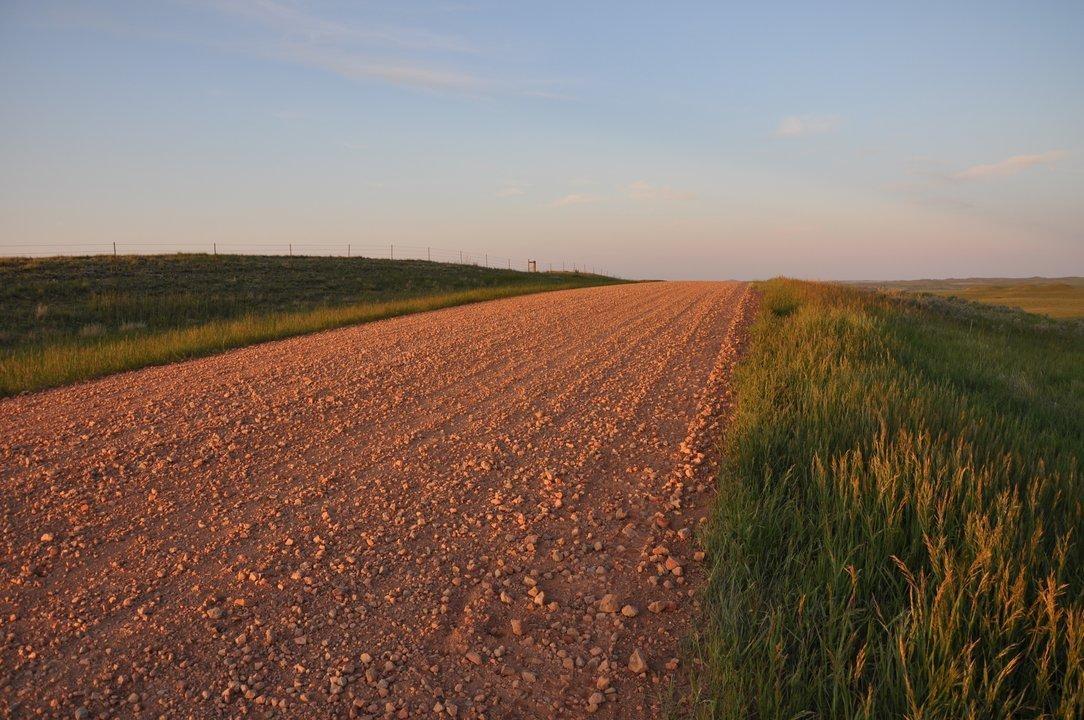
574	199
1009	166
292	20
278	32
802	125
354	67
346	49
642	190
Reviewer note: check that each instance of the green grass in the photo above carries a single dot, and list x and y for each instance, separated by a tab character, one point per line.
898	527
71	319
1059	298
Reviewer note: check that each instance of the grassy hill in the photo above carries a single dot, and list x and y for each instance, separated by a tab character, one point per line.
898	531
71	318
1054	297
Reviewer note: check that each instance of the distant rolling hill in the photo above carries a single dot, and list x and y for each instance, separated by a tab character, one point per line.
67	319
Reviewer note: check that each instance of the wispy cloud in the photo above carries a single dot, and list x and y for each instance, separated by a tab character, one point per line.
575	199
350	49
642	190
801	125
511	191
1009	166
350	65
547	95
287	32
936	185
292	20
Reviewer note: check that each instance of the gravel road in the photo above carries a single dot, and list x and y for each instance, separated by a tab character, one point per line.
486	511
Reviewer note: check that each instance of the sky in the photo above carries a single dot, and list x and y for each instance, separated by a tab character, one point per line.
652	140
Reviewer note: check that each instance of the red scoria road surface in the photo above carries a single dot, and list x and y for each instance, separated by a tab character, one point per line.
486	511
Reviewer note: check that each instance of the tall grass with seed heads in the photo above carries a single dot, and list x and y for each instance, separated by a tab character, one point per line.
898	528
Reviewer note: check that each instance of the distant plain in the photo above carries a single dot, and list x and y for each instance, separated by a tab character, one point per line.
1054	297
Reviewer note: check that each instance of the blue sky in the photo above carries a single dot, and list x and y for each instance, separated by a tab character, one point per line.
679	140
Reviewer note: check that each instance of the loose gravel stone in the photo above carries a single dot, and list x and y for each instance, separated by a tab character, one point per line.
418	516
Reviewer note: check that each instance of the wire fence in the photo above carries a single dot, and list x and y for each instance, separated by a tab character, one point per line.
348	250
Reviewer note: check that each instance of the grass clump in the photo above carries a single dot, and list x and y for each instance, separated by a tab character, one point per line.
897	532
71	319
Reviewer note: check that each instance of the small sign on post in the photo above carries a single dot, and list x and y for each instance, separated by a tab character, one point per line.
532	266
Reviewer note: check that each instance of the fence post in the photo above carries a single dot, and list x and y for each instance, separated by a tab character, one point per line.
429	254
291	249
114	249
214	248
392	251
347	249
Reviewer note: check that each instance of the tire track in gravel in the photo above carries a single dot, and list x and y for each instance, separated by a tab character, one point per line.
416	516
